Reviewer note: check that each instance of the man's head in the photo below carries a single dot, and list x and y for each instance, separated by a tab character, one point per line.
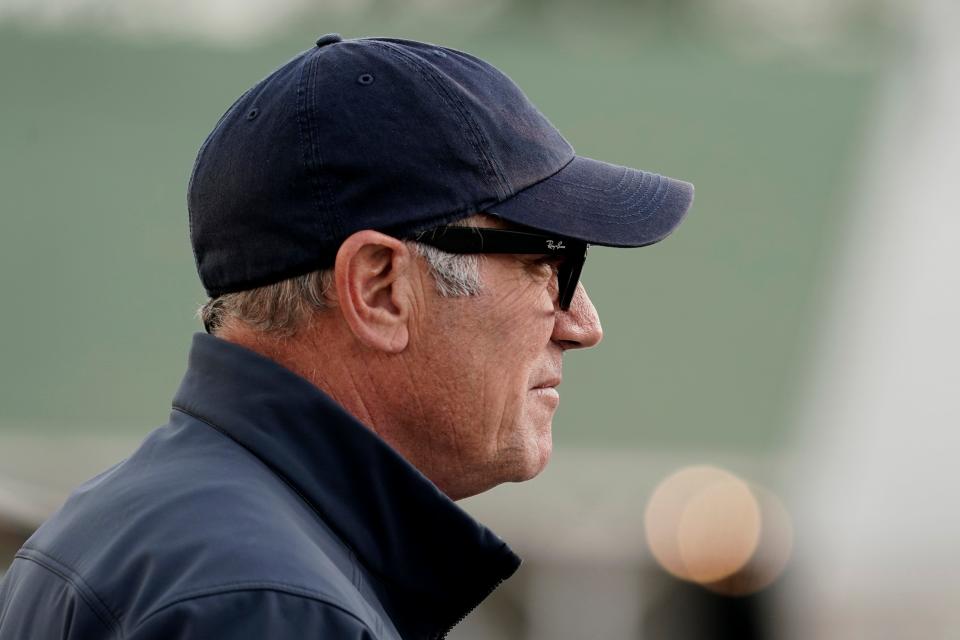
320	207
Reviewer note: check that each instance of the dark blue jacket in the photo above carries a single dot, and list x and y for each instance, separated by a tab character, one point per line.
261	510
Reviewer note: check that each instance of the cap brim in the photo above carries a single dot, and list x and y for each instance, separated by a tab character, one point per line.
601	203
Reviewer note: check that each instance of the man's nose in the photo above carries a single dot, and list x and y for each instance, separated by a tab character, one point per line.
579	326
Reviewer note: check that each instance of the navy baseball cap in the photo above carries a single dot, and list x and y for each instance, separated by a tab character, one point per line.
398	136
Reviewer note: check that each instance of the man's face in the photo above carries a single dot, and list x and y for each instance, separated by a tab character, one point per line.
488	370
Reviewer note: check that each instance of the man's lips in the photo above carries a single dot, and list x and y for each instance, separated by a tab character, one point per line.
549	392
552	383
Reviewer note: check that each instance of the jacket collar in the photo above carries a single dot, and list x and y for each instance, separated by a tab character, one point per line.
434	561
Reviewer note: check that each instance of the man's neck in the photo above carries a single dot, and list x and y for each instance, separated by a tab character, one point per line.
367	386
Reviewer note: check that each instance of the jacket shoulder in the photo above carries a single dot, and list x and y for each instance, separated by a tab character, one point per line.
39	598
189	512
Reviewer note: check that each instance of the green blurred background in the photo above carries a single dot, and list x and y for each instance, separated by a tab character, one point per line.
706	333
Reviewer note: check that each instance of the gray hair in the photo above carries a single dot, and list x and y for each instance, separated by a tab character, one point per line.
281	308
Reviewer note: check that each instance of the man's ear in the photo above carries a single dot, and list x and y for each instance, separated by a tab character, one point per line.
372	274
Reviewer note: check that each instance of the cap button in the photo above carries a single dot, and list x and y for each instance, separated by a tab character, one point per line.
330	38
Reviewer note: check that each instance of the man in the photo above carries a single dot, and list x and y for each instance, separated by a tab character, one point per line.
391	236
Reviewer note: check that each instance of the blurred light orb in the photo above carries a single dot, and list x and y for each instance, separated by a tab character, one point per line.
772	555
703	524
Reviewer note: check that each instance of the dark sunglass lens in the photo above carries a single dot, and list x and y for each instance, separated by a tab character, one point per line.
568	275
566	284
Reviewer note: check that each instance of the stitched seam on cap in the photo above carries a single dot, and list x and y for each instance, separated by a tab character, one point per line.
627	218
533	184
592	187
312	159
639	197
648	204
477	140
201	153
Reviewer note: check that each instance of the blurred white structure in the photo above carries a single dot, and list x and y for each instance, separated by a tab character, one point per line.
812	26
229	22
877	484
219	20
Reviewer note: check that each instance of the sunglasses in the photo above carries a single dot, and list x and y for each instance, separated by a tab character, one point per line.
486	240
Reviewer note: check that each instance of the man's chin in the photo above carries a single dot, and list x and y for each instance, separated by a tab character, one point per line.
537	458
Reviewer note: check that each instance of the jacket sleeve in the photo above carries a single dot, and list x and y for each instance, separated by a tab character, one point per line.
252	614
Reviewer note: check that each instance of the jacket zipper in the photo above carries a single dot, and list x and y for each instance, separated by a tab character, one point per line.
443	634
